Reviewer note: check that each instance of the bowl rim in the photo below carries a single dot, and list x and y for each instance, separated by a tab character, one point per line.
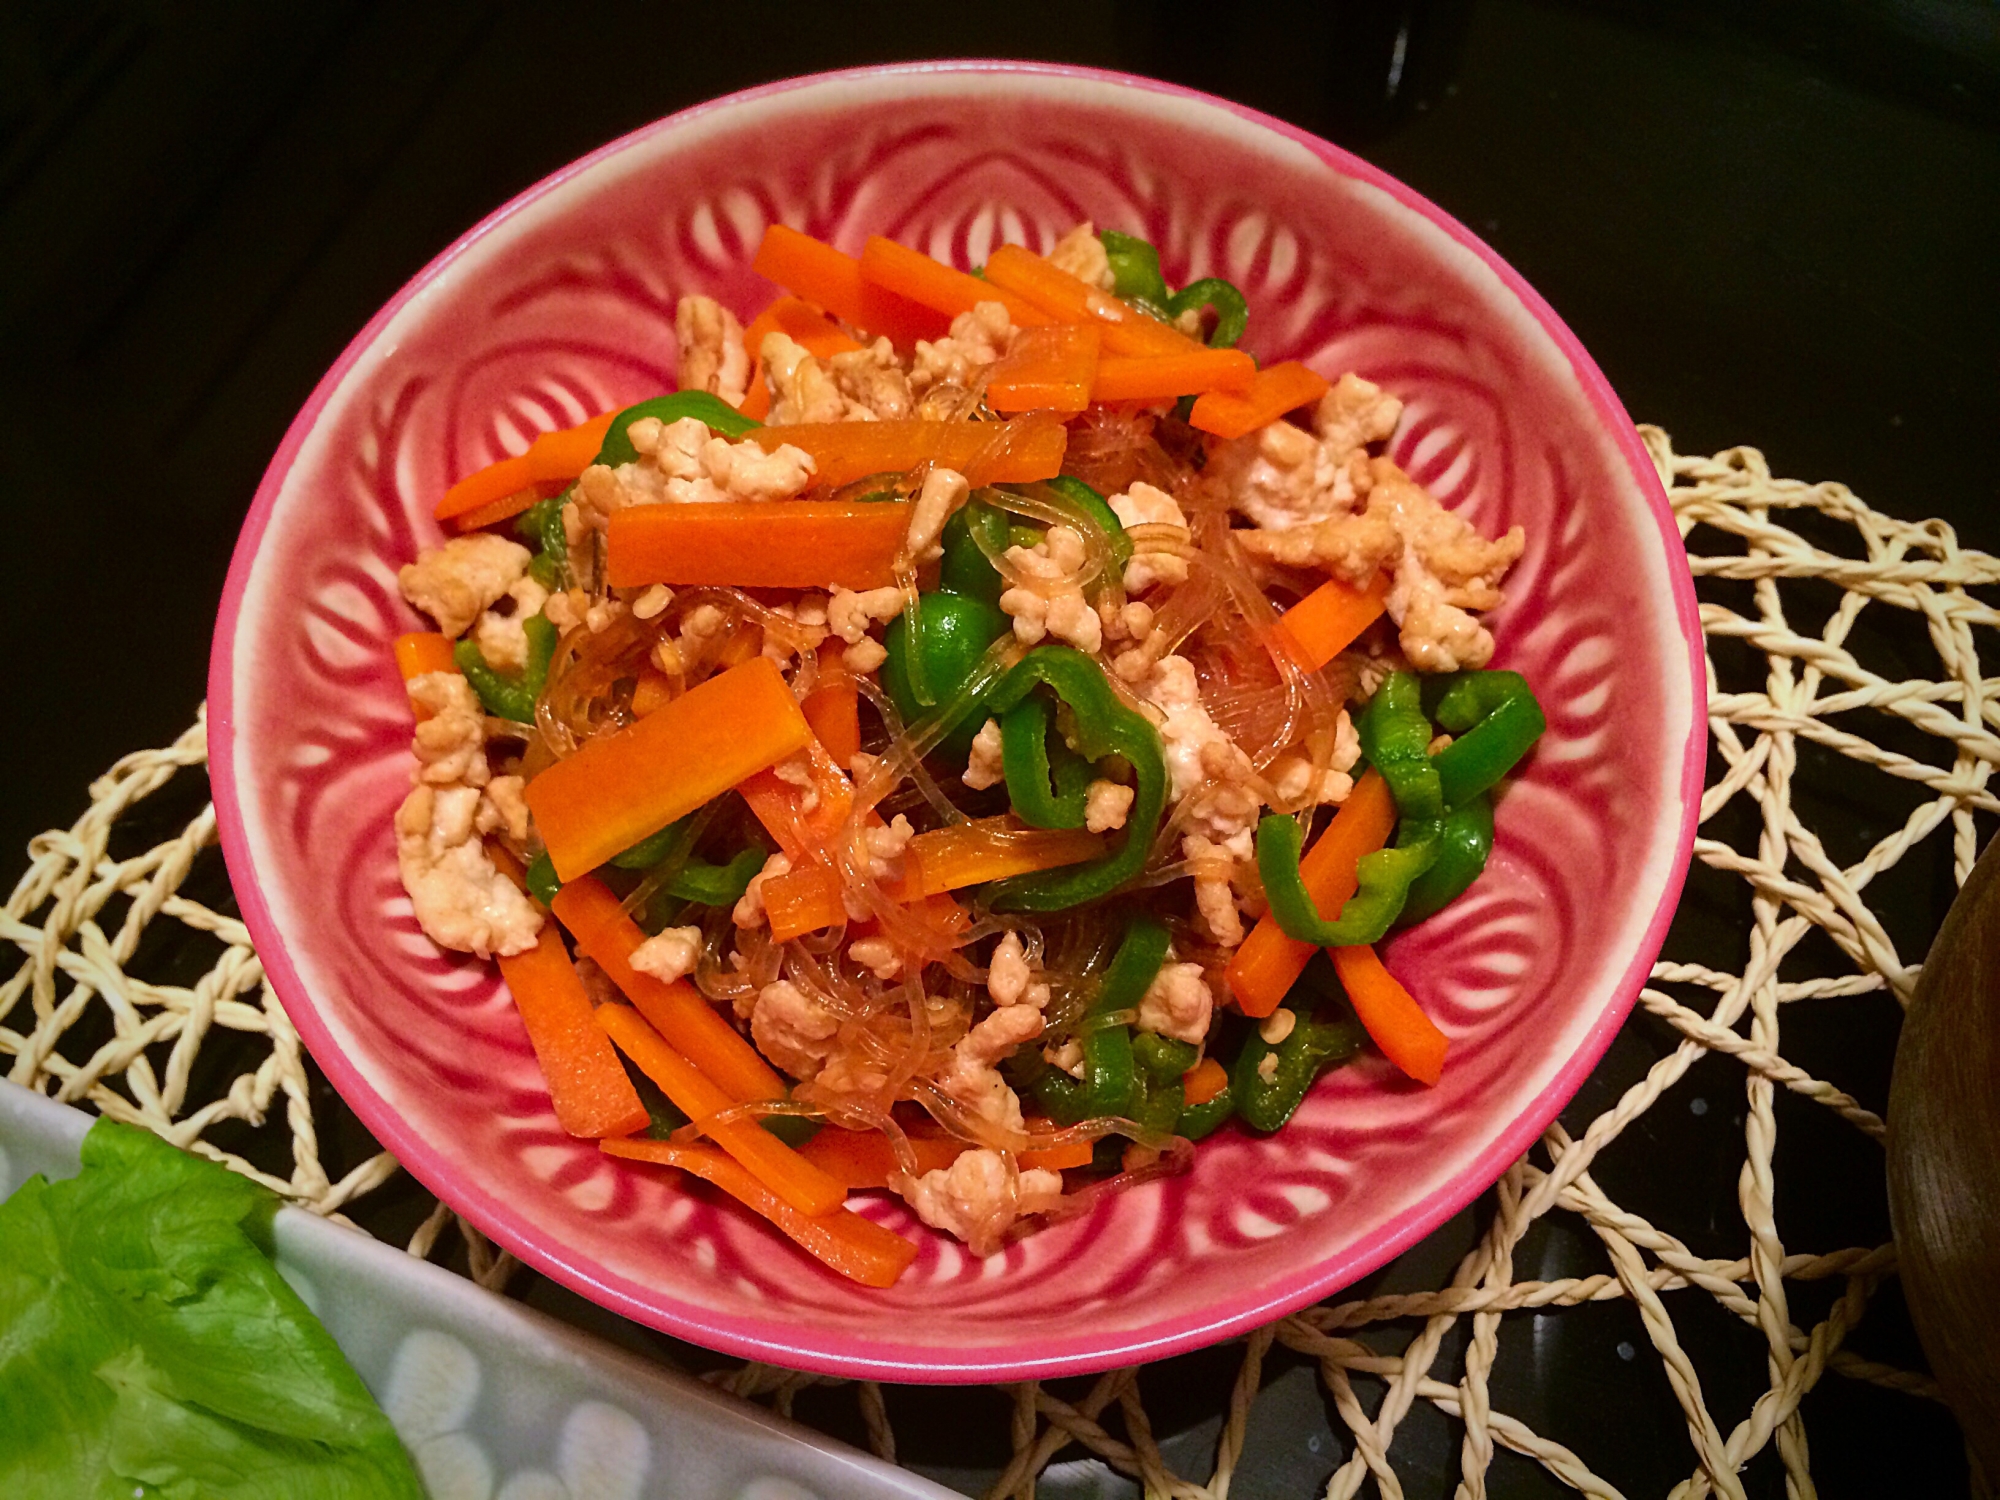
872	1358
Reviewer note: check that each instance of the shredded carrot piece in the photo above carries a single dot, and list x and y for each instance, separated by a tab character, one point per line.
983	849
803	901
1050	368
843	452
554	456
1407	1037
1270	962
1054	293
779	804
842	1240
655	689
1059	1158
914	275
803	324
1329	619
1275	391
865	1159
785	544
781	1169
619	789
587	1085
834	707
1158	377
823	275
421	652
1204	1081
607	935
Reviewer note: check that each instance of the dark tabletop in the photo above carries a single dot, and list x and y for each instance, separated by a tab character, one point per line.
1773	224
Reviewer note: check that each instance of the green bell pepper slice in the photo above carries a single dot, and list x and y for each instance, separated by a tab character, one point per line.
1104	727
1496	720
1396	738
1383	879
1109	1086
695	880
954	632
720	416
1199	1121
1099	510
964	569
1135	270
1464	840
1232	313
504	696
1030	766
1312	1047
543	882
541	527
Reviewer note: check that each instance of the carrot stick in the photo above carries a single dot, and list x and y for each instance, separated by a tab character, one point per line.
653	690
1059	1158
421	652
503	509
560	455
625	786
914	275
819	273
865	1159
855	1247
777	803
806	900
1269	962
604	933
984	849
1326	622
1407	1037
1158	377
1064	297
1204	1081
781	544
843	452
834	707
1050	368
781	1169
587	1085
1276	390
798	321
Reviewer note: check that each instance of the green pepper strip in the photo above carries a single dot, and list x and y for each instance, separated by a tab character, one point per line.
1104	726
1464	840
1099	510
965	568
1162	1097
656	848
717	885
510	697
543	882
541	526
718	414
933	650
1383	878
1025	757
1396	737
1199	1121
1497	721
1135	269
697	880
1309	1049
1109	1086
1232	313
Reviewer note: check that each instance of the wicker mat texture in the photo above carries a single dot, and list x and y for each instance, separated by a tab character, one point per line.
111	901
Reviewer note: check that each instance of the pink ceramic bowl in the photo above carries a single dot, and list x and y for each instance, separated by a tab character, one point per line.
561	305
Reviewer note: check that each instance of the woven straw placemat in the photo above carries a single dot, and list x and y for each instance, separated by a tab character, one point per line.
81	1021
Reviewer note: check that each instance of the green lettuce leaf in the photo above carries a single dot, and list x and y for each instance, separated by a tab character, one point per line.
149	1348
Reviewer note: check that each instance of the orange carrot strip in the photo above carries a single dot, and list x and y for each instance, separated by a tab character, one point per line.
781	1169
929	283
1276	390
781	544
1158	377
503	509
803	324
1050	368
865	1159
1326	622
1059	1158
607	935
1204	1081
857	1248
834	707
984	849
562	454
1064	297
655	689
1407	1037
819	273
421	652
626	786
843	452
1269	962
777	803
806	900
587	1084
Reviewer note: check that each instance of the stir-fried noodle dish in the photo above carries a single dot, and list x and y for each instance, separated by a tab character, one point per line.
966	742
